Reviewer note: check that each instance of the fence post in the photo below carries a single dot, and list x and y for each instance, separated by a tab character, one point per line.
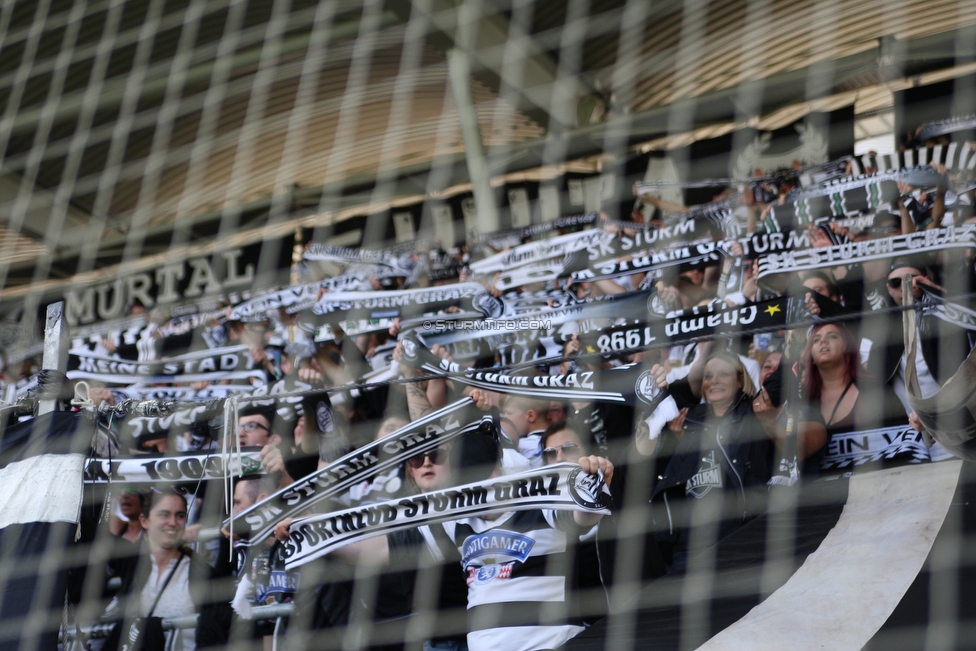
56	343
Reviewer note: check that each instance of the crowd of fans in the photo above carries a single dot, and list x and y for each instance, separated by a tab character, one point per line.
741	410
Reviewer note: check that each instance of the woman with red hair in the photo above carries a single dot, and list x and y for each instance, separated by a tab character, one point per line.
831	363
837	391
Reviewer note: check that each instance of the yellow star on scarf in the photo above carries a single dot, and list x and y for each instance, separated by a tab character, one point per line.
771	310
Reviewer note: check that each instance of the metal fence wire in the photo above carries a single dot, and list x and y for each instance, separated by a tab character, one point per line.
516	325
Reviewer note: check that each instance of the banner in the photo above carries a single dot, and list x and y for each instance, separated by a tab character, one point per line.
562	486
899	443
177	469
935	239
208	281
231	363
41	470
360	465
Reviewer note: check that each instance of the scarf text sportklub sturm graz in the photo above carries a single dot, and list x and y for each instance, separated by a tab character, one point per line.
561	486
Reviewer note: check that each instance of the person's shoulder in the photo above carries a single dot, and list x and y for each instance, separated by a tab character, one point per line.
200	568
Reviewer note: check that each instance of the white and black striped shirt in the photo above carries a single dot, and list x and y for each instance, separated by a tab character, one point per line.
517	568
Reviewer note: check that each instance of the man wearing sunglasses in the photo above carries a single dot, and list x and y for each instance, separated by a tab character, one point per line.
941	345
561	443
564	442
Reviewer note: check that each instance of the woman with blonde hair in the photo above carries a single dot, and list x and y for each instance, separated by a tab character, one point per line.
720	467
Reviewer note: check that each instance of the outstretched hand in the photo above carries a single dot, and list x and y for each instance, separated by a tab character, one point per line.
593	463
281	530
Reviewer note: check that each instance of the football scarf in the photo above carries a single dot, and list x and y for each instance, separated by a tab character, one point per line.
180	394
950	415
852	195
958	157
698	321
296	298
900	444
176	469
618	385
541	250
629	305
598	244
640	330
231	363
515	236
562	486
934	303
358	466
935	239
344	255
470	299
578	269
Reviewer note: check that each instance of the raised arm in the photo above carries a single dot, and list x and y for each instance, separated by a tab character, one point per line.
591	465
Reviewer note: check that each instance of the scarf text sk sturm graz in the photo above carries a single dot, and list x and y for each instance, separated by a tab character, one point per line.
360	465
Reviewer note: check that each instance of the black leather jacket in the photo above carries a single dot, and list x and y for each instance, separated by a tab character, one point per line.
742	447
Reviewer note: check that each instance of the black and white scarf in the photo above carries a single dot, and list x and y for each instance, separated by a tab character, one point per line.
629	305
618	385
471	299
900	444
362	464
579	270
958	157
556	247
344	255
177	469
935	239
934	303
561	486
515	236
852	195
231	363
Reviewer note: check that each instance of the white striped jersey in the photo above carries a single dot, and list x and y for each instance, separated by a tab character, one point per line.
517	568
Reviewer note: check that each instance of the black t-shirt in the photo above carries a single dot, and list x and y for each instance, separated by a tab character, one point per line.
443	577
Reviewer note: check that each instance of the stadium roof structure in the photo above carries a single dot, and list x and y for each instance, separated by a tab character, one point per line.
135	134
130	129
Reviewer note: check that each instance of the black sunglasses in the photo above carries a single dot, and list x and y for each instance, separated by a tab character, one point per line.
895	283
569	450
437	456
